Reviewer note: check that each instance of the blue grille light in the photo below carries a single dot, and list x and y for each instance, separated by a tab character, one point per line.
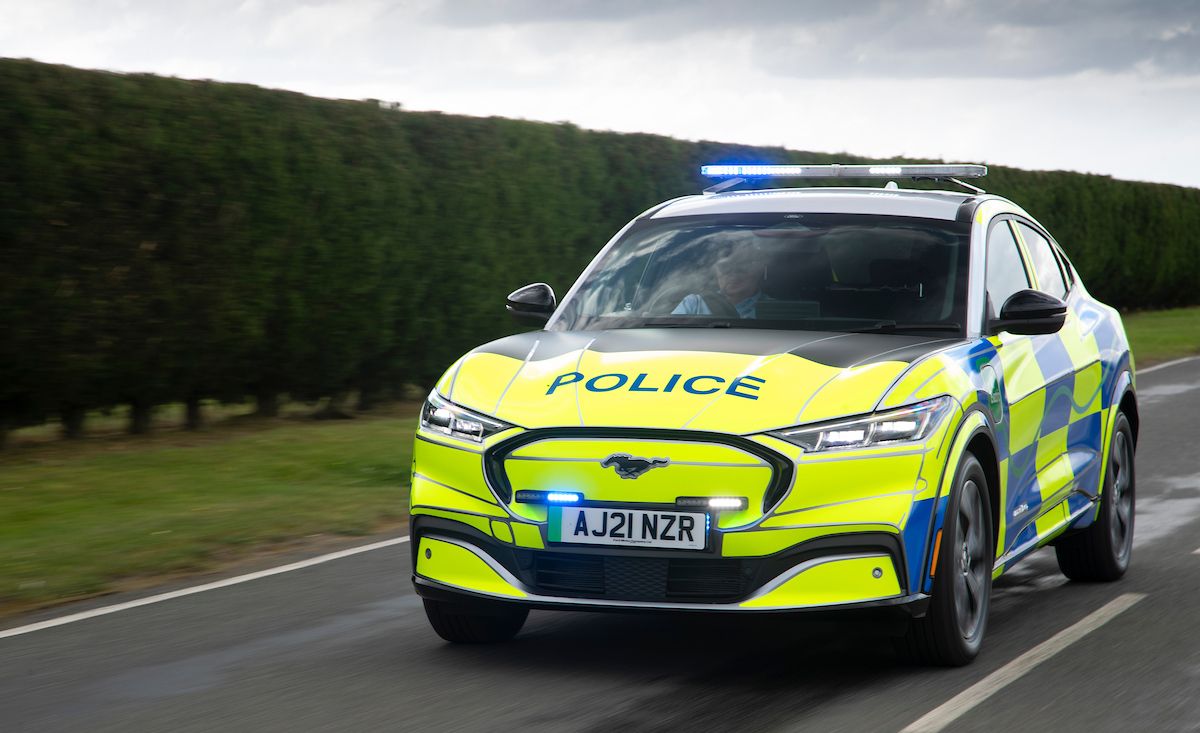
562	497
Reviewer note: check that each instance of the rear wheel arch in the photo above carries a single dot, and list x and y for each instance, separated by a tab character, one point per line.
1128	405
1101	551
1124	398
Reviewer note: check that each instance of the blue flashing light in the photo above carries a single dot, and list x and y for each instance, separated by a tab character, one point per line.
935	171
563	497
750	171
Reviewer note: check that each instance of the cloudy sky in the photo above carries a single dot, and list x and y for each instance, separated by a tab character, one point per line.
1103	86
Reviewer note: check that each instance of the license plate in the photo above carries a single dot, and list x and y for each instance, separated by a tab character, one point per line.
635	527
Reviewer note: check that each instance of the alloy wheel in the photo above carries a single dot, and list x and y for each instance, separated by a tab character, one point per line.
971	562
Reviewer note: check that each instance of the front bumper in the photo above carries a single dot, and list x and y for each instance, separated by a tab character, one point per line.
841	530
850	571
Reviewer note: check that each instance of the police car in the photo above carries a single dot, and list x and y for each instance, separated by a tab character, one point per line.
779	400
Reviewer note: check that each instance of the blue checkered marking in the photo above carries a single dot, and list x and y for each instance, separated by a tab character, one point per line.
1060	396
1052	357
916	534
921	534
1029	534
1083	438
1112	372
1075	502
1022	473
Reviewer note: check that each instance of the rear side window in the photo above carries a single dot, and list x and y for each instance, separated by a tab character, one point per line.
1050	278
1066	267
1005	270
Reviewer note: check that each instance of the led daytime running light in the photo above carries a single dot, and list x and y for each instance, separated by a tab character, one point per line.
906	425
447	418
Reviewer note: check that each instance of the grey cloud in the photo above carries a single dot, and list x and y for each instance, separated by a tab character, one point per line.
669	18
912	41
890	38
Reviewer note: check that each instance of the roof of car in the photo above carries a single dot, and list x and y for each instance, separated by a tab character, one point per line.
948	205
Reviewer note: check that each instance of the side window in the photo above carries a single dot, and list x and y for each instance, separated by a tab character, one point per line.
1005	270
1045	265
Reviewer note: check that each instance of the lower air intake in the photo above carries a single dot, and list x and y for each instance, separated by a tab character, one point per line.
638	578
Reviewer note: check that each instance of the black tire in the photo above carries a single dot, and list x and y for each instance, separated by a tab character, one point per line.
1101	551
483	623
951	632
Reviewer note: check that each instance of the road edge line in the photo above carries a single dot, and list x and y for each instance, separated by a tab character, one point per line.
182	592
954	708
1166	364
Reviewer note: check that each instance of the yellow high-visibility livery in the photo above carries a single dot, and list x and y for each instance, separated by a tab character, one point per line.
779	400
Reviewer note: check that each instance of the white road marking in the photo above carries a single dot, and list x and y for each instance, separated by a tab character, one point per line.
105	610
954	708
1166	364
1196	551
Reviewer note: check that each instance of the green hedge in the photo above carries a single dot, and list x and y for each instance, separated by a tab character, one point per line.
167	240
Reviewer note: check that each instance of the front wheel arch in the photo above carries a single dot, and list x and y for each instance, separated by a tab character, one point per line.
939	637
983	448
973	434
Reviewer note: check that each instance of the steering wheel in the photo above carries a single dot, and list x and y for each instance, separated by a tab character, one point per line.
720	305
668	301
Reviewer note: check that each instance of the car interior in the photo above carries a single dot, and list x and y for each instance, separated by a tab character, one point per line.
857	272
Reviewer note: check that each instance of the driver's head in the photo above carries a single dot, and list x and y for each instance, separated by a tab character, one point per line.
740	272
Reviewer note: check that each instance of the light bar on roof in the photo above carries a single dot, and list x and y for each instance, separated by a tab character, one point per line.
956	170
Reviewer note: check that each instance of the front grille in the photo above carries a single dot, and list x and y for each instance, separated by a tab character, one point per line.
705	579
635	578
638	578
496	460
571	574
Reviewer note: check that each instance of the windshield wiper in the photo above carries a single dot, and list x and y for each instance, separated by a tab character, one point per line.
893	327
684	324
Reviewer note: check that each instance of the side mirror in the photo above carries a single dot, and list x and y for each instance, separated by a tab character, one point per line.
1031	312
532	303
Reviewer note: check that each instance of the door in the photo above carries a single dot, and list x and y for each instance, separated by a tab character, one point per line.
1069	447
1022	389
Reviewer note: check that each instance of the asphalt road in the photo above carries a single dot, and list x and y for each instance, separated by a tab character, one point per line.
344	645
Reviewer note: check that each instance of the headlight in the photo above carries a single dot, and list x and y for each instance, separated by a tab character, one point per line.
445	417
905	425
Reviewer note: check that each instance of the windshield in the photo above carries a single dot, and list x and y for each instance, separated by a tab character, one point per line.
828	272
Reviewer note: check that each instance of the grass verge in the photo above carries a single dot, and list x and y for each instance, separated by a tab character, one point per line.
80	518
1158	336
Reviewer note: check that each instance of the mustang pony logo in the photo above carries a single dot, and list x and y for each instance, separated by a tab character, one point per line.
627	466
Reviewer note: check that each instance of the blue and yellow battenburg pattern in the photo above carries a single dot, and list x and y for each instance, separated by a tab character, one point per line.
1047	403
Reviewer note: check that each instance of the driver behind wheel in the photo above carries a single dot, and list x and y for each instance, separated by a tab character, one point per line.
740	274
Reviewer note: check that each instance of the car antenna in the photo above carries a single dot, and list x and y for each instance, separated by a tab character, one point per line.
724	185
973	189
969	187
